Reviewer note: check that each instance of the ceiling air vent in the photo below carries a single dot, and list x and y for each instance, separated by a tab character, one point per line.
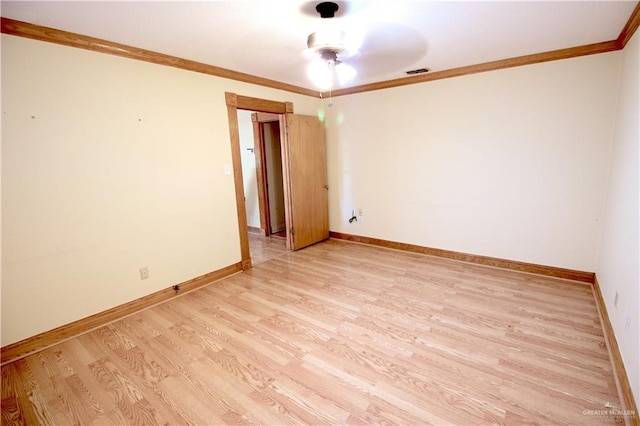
418	71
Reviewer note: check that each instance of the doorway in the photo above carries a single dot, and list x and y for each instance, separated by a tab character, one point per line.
304	173
269	173
263	177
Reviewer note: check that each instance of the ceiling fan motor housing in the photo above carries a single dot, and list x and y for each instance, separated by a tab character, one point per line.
328	39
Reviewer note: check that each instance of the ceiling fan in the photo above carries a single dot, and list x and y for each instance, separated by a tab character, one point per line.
374	41
330	44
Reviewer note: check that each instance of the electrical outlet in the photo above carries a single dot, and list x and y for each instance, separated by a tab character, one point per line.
144	273
353	218
360	216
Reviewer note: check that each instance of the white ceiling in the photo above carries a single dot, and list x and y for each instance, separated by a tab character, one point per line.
267	38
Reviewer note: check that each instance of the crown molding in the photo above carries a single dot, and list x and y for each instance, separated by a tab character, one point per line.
51	35
554	55
630	28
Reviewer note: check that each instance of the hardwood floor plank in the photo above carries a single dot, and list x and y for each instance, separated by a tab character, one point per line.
16	408
262	248
309	403
338	333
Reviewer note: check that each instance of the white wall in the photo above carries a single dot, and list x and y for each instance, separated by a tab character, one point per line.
245	130
511	163
108	165
619	262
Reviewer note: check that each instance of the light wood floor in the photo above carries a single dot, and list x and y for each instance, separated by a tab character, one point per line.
262	248
338	333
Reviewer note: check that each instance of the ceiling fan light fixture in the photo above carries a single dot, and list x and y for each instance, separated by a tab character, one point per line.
345	73
324	72
319	72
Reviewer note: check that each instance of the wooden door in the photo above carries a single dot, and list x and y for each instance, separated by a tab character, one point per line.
305	180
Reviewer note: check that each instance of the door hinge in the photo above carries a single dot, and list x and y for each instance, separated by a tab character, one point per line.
286	130
292	231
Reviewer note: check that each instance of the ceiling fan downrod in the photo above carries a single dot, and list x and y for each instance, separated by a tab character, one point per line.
327	9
